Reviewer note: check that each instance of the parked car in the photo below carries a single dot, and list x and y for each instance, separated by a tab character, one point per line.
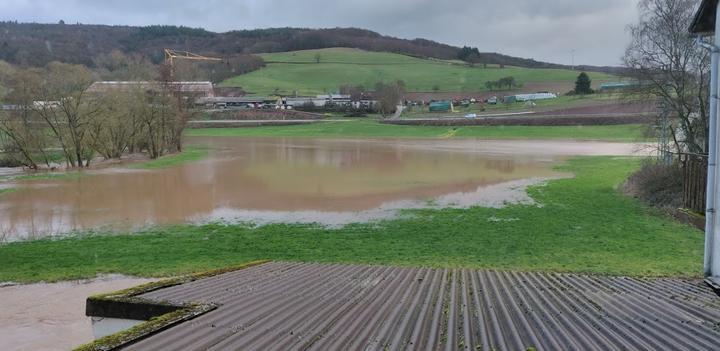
493	100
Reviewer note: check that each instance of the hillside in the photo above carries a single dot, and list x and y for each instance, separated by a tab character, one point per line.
36	44
299	71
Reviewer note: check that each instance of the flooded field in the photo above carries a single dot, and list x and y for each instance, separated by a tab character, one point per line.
290	180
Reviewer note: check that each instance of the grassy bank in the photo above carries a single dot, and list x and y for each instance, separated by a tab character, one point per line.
189	154
372	129
584	225
290	72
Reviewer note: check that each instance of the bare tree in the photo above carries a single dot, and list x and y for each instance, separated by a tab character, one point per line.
63	103
389	96
671	67
176	109
113	130
6	71
25	140
355	91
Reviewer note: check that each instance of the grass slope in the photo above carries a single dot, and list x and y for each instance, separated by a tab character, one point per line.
189	154
584	225
370	128
297	71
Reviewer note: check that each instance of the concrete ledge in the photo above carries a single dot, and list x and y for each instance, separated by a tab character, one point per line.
159	316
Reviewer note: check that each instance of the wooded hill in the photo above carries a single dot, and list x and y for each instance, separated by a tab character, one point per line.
33	44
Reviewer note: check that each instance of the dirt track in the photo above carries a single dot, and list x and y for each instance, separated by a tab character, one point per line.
602	109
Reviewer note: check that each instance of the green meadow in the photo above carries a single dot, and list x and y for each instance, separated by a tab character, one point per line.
290	72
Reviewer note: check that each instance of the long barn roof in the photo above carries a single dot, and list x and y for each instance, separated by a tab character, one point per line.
205	88
299	306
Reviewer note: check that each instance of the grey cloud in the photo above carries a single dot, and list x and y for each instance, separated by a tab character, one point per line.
544	30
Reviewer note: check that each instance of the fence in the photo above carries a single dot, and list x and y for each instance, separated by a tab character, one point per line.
694	182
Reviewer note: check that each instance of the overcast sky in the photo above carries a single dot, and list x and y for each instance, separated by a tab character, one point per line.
544	30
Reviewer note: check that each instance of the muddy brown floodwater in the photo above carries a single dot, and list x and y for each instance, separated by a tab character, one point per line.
264	180
39	317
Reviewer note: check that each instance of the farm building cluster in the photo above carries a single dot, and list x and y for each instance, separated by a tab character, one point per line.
204	95
450	104
289	103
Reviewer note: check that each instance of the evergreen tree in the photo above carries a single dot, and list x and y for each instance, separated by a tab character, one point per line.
582	84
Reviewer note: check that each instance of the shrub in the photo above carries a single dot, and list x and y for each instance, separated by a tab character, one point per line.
657	184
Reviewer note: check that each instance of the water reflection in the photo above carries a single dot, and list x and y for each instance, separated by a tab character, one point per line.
267	175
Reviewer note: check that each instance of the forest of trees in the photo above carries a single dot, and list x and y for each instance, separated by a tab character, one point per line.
32	44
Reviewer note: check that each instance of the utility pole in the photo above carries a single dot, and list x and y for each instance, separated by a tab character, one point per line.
572	58
664	154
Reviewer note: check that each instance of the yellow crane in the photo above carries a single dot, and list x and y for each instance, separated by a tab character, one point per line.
172	55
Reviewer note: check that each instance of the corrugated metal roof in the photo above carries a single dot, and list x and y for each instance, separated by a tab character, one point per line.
241	99
288	306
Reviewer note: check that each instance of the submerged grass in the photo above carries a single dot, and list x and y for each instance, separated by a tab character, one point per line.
7	190
189	154
582	224
49	175
371	129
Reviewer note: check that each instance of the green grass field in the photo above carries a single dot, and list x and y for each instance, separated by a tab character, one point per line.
298	72
372	129
584	225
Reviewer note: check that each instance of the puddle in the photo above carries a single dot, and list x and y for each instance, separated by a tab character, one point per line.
332	182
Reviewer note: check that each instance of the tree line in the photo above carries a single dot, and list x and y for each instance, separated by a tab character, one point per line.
29	43
507	83
52	118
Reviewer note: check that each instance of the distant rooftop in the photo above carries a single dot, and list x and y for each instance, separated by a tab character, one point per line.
202	87
234	99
